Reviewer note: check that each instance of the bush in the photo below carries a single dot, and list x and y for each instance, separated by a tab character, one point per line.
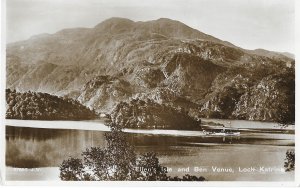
117	162
289	163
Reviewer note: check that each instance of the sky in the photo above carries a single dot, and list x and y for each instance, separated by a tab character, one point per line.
250	24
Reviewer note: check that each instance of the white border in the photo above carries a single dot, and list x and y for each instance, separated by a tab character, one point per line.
2	87
297	81
144	184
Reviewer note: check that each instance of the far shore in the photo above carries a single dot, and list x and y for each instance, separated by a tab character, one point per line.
98	125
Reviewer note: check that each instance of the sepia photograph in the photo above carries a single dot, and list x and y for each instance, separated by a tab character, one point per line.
137	90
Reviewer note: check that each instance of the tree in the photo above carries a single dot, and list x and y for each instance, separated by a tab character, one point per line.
151	170
71	169
116	162
289	163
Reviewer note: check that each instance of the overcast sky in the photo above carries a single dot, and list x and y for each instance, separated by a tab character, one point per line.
250	24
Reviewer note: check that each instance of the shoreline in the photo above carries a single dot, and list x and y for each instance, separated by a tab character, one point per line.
98	125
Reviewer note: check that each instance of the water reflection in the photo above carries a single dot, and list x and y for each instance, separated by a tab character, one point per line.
34	147
38	147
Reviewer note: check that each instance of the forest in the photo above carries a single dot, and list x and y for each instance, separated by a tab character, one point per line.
42	106
145	114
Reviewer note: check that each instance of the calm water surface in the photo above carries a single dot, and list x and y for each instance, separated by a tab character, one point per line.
43	149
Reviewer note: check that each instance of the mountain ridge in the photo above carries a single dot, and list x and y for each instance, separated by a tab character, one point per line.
148	55
120	19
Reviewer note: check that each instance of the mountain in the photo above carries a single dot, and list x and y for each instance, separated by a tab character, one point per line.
279	55
163	59
287	54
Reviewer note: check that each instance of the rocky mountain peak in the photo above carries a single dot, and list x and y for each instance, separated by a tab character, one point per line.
114	23
120	58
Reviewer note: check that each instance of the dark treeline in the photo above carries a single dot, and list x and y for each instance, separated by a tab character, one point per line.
43	106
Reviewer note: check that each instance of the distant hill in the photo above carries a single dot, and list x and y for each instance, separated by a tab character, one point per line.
287	54
279	55
119	59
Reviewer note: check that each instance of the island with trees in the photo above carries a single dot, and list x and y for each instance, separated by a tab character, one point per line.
43	106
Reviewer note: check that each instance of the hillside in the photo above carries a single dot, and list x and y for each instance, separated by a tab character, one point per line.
252	96
119	59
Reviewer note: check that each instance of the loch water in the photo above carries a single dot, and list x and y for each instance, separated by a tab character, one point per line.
35	153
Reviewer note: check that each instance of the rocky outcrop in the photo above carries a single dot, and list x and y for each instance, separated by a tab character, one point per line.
272	99
102	93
